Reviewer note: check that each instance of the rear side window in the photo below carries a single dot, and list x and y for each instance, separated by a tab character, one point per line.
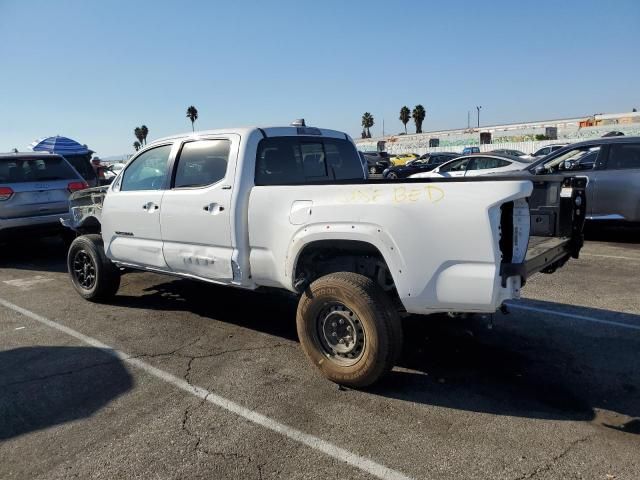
202	163
456	166
23	170
488	162
306	160
624	156
147	171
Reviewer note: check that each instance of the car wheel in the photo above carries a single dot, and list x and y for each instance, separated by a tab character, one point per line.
392	175
372	170
349	329
92	274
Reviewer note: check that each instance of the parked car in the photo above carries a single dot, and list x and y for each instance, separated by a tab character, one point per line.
377	162
470	150
544	151
402	158
423	164
289	208
477	164
84	167
111	171
512	153
612	165
34	192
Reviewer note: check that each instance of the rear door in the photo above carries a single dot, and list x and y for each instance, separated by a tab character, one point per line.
616	186
40	186
196	211
131	209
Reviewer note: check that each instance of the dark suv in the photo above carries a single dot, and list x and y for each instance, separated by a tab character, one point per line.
377	162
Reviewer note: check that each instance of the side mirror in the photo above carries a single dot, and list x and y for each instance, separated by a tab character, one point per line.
539	170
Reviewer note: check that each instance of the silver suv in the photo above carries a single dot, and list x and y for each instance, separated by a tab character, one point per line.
613	168
34	191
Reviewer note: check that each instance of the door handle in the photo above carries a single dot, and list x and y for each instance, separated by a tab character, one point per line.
150	206
213	208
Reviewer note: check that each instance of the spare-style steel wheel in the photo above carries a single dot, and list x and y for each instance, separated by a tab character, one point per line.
349	329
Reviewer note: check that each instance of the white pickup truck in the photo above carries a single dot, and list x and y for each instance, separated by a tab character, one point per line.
291	208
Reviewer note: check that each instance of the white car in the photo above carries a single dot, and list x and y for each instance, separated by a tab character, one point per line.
112	170
476	164
290	208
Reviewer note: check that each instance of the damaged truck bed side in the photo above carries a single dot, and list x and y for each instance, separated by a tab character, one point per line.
291	208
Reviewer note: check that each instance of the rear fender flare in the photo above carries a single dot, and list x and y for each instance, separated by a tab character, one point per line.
372	234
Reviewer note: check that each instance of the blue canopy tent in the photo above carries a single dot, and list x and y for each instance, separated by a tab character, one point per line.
60	145
78	155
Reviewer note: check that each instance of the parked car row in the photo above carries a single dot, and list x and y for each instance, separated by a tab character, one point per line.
612	165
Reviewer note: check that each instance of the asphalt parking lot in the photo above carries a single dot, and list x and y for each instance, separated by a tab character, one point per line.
211	383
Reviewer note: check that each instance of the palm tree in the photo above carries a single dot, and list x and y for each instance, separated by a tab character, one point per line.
419	114
367	123
137	145
192	114
405	116
145	132
138	134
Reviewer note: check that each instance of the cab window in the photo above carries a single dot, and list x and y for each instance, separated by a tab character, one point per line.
148	171
202	163
306	160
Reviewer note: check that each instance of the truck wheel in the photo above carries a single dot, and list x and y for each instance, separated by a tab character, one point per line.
349	329
93	275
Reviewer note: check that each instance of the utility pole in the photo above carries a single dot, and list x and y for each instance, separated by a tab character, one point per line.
468	119
479	108
382	127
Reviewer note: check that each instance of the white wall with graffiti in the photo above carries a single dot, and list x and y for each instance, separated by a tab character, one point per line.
525	137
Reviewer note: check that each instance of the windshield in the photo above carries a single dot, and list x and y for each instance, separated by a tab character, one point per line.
23	170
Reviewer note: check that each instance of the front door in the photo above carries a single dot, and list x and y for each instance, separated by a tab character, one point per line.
131	210
196	211
615	187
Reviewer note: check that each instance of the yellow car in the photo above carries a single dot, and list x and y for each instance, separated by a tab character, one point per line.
402	158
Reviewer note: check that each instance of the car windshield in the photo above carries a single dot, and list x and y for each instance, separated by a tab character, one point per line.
36	169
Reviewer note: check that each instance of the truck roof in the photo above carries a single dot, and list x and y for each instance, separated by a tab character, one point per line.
285	131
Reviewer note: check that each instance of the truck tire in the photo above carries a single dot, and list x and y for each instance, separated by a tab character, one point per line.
349	329
92	274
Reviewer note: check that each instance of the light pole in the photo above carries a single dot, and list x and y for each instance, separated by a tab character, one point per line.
468	119
479	108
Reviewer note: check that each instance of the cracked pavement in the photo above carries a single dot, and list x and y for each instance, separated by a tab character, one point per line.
536	397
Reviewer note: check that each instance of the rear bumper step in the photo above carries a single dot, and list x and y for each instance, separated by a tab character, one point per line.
553	241
545	256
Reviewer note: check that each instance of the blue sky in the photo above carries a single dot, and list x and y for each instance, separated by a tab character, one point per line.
95	70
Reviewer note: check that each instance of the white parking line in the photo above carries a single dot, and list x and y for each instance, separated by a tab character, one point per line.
376	469
573	316
616	257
